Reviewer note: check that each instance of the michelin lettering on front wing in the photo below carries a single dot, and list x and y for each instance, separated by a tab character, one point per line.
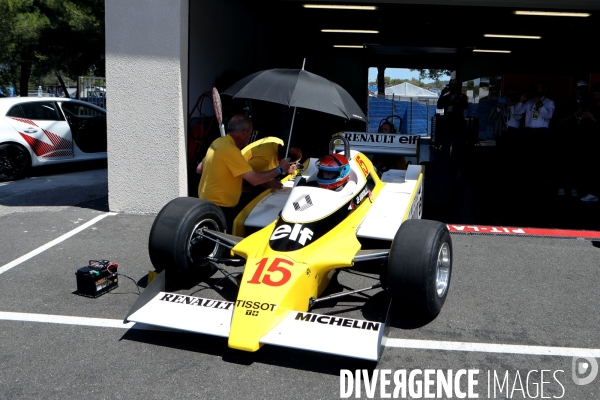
343	322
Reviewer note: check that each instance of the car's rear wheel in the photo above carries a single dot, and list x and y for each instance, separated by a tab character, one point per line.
420	267
175	243
14	161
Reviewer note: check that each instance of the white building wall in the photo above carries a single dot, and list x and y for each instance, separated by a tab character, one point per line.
149	45
146	72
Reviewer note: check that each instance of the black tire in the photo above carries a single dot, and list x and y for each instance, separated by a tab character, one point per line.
14	161
420	267
174	245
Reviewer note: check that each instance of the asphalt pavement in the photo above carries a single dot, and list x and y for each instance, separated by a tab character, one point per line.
521	313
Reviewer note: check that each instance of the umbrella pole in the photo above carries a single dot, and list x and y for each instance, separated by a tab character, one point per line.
287	149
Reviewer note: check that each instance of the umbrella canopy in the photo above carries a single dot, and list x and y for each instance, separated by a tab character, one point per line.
297	88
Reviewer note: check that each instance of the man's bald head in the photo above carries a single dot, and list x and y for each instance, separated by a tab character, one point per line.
240	129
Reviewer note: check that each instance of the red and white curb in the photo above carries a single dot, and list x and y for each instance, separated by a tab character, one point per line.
515	231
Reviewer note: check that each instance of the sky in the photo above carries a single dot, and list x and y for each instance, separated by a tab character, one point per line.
400	73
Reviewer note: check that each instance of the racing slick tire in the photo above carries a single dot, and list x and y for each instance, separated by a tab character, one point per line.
174	243
14	161
420	266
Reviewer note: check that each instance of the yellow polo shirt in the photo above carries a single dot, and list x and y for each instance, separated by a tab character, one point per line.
223	167
262	154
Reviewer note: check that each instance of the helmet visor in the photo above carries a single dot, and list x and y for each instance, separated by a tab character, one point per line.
328	176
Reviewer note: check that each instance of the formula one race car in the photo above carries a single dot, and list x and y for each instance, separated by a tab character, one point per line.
290	242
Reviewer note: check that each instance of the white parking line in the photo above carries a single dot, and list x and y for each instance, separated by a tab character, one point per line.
493	348
394	343
48	245
65	320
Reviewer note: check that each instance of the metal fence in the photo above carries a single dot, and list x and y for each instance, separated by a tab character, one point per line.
92	89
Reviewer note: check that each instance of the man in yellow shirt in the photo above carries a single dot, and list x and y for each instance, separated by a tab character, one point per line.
223	168
263	155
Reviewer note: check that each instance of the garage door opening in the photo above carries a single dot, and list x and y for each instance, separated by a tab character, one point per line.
408	100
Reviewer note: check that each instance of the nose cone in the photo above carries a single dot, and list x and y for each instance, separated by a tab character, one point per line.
271	287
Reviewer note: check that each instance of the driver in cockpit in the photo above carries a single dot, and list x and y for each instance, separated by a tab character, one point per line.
334	172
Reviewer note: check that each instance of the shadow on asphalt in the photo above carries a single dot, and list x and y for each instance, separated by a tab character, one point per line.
66	168
99	204
373	307
46	170
270	355
53	185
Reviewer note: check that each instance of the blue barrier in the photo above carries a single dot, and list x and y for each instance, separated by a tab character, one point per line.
417	121
416	118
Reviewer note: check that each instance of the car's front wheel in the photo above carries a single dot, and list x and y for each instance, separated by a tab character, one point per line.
420	266
14	161
175	243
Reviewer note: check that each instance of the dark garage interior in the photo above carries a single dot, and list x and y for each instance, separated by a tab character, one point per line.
488	188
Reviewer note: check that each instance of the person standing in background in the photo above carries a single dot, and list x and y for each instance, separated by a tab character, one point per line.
590	120
570	130
538	110
454	103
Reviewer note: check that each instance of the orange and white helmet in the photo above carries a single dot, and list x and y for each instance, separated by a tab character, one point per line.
334	171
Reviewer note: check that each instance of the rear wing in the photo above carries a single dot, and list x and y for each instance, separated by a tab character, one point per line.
383	143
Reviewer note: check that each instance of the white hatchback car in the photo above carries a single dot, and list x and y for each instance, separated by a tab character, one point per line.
42	131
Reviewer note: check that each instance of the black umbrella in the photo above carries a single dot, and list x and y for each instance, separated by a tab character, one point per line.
297	88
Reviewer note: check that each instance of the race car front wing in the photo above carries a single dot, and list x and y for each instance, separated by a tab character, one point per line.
299	330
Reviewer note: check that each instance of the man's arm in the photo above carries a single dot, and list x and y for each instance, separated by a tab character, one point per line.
256	178
546	110
200	167
520	107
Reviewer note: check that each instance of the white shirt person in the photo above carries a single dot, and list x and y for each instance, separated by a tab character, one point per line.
539	110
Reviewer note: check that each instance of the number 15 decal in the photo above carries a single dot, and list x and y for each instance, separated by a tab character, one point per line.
362	165
274	267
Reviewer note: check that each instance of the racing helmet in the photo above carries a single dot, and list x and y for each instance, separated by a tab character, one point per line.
334	171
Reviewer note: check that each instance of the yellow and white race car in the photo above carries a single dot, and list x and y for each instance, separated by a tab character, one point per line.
290	243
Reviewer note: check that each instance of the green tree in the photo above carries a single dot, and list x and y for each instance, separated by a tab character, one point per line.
432	74
22	25
42	36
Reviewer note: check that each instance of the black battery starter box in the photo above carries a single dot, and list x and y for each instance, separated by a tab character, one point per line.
97	278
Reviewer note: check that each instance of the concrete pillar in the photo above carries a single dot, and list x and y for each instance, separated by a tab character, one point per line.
147	81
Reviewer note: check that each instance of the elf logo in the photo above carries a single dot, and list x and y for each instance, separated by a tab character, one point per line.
297	233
